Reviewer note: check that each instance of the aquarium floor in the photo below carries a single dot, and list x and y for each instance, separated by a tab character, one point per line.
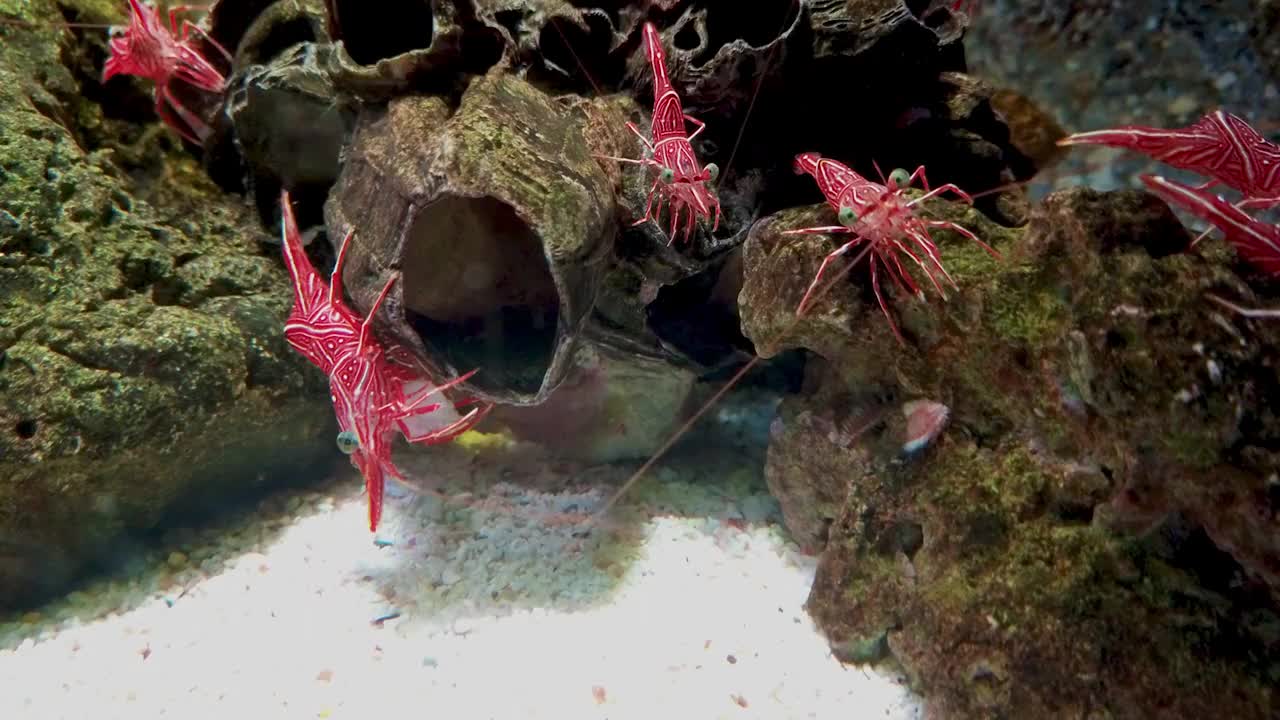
688	605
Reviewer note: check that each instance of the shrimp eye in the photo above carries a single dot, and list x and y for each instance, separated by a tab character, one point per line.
667	175
348	442
847	216
712	171
899	177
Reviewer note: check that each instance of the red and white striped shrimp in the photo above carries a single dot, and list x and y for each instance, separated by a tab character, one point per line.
374	390
885	219
681	181
1257	242
1220	145
165	53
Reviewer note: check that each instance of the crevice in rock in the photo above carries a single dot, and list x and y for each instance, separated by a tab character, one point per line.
918	7
687	38
688	315
578	59
726	22
84	56
1073	513
511	20
26	428
229	21
283	36
905	536
985	530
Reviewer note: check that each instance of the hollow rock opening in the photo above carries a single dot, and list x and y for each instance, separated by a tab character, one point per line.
369	37
767	21
479	290
578	57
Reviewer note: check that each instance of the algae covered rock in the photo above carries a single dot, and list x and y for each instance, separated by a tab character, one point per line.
500	221
997	604
142	367
1094	534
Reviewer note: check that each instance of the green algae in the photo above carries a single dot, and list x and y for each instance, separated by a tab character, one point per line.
1010	610
506	153
1074	597
143	363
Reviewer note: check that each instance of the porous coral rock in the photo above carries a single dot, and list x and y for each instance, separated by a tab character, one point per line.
1094	522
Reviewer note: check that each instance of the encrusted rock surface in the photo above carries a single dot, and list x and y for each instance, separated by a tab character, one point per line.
499	219
142	368
1000	604
728	67
1095	532
288	127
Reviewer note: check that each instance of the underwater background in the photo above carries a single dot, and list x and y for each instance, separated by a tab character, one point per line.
613	359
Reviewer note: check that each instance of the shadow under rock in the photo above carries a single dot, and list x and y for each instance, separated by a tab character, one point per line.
491	533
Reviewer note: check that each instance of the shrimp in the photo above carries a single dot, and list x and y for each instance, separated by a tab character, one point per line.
680	181
880	215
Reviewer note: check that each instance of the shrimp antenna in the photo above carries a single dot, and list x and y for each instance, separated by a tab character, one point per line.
751	106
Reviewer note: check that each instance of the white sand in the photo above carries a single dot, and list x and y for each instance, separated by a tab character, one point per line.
504	612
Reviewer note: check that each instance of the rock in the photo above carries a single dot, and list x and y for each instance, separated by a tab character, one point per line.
963	136
1032	129
1097	510
1263	27
282	123
576	47
417	44
289	126
500	221
808	467
998	608
614	406
142	366
776	271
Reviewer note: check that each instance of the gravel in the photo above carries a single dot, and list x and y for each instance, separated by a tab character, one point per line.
499	603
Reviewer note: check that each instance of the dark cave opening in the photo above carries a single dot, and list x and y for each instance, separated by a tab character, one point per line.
369	38
766	21
583	55
699	318
26	428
